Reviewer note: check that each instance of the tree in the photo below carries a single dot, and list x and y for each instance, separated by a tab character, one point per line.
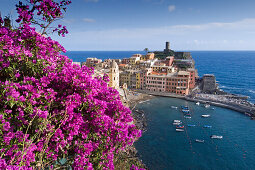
54	114
146	50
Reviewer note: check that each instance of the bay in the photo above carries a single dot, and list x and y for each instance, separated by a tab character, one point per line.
161	147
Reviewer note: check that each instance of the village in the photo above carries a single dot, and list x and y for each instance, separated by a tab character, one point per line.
165	73
175	73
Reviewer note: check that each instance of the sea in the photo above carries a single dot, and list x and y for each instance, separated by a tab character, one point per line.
162	148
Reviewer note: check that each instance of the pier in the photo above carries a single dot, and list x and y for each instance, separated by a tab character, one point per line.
239	105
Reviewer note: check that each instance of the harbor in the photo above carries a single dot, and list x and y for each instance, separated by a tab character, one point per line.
202	142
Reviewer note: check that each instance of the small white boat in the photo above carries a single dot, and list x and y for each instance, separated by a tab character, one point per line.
207	105
216	137
179	130
177	121
197	103
174	107
187	117
205	115
200	141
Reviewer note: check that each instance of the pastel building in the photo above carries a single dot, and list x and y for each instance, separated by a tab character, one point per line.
135	59
92	62
148	56
178	83
156	82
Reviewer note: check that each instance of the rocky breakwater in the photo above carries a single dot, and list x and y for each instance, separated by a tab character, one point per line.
231	102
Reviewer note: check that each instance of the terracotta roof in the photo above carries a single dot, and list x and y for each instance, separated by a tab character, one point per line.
122	65
157	73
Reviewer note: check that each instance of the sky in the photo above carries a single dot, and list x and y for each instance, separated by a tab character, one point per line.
105	25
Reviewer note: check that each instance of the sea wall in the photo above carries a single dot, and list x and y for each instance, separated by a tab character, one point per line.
250	111
243	109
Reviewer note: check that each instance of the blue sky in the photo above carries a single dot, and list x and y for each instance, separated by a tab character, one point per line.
136	24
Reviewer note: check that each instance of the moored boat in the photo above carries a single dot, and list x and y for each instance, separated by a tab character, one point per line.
180	126
197	103
179	130
207	105
205	115
177	121
216	137
187	117
200	140
174	107
207	126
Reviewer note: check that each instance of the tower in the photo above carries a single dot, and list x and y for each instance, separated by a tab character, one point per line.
167	46
114	75
167	49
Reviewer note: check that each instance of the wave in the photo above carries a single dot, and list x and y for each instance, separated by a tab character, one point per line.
231	88
252	91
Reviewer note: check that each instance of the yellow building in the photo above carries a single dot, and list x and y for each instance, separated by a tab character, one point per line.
138	80
135	59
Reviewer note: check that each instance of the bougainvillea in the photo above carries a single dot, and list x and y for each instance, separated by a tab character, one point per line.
53	113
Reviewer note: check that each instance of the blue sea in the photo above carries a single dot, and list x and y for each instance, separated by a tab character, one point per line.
161	147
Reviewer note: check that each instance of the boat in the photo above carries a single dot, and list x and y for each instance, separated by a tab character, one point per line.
179	130
180	126
200	141
207	126
190	125
197	103
205	115
174	107
188	114
216	137
177	121
184	107
207	105
187	117
185	111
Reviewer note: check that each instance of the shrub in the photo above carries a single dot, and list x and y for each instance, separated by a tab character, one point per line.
52	113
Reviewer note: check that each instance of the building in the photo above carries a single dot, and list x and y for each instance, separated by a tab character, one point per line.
209	84
114	75
178	83
156	82
148	56
135	59
92	62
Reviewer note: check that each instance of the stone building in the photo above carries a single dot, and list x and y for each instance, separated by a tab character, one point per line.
209	83
114	75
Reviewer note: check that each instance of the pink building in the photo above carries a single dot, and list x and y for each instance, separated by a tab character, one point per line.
156	82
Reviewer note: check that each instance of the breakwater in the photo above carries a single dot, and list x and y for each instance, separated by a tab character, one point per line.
248	110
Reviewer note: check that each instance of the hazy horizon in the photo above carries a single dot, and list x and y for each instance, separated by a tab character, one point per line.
99	25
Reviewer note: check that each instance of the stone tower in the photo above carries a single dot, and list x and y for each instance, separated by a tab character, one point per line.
114	75
167	49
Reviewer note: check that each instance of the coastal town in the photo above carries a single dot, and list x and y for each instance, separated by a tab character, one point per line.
175	73
165	73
